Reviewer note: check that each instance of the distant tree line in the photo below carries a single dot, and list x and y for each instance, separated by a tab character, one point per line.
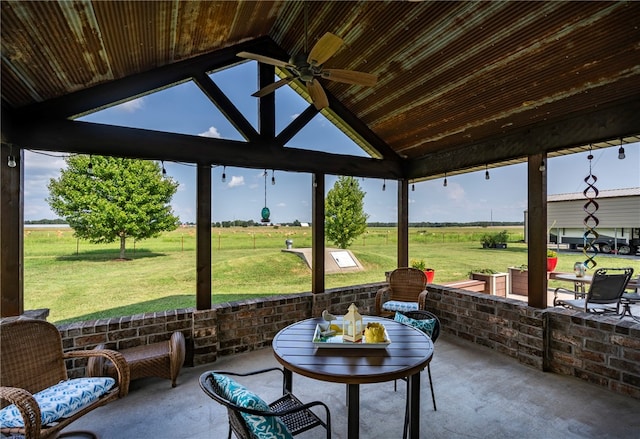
46	221
296	223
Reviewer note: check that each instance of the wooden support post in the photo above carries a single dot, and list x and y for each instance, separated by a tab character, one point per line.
11	219
537	230
317	239
403	223
203	236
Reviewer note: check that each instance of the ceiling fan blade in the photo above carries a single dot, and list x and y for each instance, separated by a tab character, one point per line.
350	77
272	87
263	59
317	94
324	49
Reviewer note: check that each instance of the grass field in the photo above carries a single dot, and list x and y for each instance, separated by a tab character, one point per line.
77	280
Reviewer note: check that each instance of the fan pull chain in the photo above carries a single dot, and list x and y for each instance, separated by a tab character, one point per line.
590	221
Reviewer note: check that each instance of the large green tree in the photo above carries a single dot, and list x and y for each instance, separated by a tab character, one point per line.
345	219
105	199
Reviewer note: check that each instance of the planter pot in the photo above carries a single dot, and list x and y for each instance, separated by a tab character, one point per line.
495	284
518	281
430	273
551	263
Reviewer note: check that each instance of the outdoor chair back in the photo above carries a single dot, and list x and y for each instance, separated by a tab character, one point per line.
406	292
417	317
605	292
283	418
33	364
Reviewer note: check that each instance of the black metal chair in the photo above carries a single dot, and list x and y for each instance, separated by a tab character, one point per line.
421	315
297	416
604	295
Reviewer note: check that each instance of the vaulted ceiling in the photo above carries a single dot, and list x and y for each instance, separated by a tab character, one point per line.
460	84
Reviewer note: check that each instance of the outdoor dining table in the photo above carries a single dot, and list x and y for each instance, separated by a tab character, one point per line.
579	282
409	352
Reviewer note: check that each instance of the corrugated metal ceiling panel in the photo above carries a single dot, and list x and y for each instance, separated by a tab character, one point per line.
450	73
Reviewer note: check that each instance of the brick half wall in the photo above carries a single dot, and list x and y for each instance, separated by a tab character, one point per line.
601	350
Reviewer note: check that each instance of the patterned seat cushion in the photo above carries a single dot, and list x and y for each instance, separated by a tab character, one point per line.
397	305
263	427
425	325
61	400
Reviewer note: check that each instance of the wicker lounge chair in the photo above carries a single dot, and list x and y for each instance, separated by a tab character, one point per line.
406	292
604	295
33	363
287	410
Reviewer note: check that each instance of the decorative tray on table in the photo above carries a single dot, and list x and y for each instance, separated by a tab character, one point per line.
323	337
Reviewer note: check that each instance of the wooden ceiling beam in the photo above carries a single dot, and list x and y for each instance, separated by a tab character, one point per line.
118	90
579	129
91	138
226	107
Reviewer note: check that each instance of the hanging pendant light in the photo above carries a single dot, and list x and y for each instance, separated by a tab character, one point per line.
621	154
265	210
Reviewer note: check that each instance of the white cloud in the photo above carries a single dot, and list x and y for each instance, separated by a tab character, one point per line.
211	132
455	192
131	106
294	116
236	181
281	205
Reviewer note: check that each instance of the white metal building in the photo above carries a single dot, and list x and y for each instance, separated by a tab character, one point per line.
618	214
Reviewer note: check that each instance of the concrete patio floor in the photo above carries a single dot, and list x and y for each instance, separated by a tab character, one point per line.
479	394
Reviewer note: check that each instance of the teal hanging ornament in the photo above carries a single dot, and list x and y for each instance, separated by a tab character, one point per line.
265	210
265	214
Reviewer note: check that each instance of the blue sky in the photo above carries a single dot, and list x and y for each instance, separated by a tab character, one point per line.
184	109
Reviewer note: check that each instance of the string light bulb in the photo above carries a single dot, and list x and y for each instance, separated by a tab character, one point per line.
444	183
11	160
486	172
621	154
224	174
413	187
384	185
90	166
164	171
273	178
542	167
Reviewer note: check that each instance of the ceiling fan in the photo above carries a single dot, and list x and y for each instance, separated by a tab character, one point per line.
308	68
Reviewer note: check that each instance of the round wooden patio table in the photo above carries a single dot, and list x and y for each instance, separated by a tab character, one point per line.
408	353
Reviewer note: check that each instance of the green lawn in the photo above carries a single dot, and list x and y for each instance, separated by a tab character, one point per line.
81	281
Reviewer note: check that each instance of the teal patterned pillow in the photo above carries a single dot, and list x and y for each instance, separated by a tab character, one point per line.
398	305
263	427
60	400
425	325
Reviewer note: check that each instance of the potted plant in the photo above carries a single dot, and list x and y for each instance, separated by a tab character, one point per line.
495	283
495	240
552	260
420	264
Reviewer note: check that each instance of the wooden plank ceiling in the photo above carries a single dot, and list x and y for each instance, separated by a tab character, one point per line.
461	84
